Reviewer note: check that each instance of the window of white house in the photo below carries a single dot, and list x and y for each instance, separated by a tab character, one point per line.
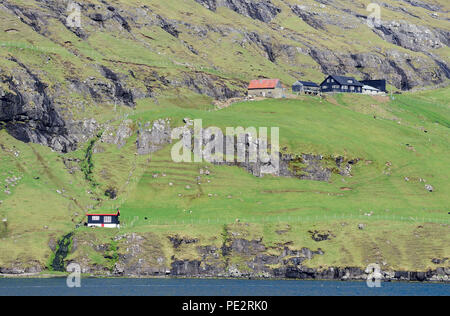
107	219
335	86
95	218
352	88
325	87
344	87
350	81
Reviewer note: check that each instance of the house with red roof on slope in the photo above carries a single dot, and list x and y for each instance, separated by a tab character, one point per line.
266	88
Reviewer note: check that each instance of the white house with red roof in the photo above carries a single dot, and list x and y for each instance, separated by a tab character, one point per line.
266	88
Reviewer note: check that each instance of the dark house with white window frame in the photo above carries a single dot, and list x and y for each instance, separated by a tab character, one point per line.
306	87
104	220
338	84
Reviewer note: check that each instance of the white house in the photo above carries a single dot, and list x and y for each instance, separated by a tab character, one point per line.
370	90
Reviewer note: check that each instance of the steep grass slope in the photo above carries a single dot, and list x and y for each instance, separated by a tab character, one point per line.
74	102
401	144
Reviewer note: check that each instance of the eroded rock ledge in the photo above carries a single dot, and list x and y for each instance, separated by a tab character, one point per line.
262	10
151	255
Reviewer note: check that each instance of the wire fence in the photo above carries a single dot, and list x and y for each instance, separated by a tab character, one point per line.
138	221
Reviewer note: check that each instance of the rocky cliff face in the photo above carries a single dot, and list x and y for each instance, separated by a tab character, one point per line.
28	112
237	256
150	254
153	136
263	10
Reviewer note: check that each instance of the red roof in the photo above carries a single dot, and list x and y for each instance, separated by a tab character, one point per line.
263	84
117	214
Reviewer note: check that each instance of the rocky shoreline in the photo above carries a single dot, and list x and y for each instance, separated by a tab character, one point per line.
331	274
182	269
145	256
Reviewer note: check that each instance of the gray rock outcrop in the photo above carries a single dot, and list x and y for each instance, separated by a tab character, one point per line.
262	10
153	136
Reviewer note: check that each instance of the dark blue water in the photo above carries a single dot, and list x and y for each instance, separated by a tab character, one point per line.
213	287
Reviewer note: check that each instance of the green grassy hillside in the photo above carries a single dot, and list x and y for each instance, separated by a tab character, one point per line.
66	91
405	138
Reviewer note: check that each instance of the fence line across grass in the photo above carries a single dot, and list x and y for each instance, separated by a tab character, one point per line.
136	220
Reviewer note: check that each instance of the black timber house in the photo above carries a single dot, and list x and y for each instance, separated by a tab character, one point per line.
341	84
104	220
